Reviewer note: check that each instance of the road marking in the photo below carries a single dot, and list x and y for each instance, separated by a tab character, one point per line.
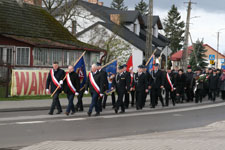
31	122
177	115
74	119
163	111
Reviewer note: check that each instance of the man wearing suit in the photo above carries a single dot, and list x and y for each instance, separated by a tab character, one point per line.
96	85
128	80
71	88
156	85
55	79
141	87
120	84
103	77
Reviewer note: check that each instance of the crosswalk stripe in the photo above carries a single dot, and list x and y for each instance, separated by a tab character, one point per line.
31	122
74	119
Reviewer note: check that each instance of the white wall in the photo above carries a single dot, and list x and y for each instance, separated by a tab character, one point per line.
137	53
131	27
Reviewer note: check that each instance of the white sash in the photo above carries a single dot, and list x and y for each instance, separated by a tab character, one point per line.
168	79
54	79
69	83
93	83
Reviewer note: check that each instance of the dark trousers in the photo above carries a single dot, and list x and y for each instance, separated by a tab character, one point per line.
213	93
170	95
113	100
94	103
223	95
144	100
140	95
127	100
99	102
156	93
132	98
190	94
70	106
56	103
80	101
119	102
198	95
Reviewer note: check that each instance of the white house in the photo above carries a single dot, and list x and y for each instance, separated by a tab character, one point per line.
97	24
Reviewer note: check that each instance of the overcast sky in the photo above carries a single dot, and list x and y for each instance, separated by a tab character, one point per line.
209	17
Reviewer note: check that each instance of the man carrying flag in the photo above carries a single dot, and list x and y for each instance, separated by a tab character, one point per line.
71	88
54	80
96	85
80	69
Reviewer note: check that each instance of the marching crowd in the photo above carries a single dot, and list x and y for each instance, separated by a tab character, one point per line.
168	85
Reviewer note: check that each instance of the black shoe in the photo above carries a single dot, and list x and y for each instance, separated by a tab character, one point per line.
89	114
50	113
66	113
72	113
97	114
59	112
116	111
81	110
122	111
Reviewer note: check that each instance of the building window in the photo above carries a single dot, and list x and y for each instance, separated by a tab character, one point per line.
71	56
22	55
45	56
6	55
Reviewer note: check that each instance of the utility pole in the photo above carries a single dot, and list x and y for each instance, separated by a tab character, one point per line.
218	39
185	51
148	49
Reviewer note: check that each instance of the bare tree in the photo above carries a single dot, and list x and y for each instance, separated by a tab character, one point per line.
116	48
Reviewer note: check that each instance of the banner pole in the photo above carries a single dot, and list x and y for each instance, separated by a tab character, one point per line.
65	75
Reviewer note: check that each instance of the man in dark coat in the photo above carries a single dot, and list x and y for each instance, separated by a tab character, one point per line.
141	87
169	86
71	88
156	85
103	75
180	84
128	80
199	86
96	87
55	79
213	85
190	82
120	84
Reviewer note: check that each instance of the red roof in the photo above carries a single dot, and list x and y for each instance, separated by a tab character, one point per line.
178	55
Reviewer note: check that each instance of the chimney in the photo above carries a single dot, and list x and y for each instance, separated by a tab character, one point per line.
34	2
93	1
115	18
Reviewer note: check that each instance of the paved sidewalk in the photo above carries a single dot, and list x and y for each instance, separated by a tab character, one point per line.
211	137
36	104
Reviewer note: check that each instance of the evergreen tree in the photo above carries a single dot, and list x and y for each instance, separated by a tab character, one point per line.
142	7
197	58
118	4
174	29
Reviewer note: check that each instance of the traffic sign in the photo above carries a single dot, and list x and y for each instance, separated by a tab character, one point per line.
222	60
212	62
211	57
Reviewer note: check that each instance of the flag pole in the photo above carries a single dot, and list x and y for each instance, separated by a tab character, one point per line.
150	58
109	63
65	75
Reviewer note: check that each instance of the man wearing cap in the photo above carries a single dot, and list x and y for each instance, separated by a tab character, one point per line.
199	86
103	76
147	76
213	81
120	84
141	87
156	85
55	79
190	84
128	80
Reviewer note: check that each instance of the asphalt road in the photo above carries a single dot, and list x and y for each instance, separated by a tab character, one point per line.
20	129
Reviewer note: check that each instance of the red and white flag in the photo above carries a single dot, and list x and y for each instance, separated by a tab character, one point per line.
69	83
130	63
54	80
93	83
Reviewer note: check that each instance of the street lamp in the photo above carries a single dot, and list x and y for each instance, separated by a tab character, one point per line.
218	40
